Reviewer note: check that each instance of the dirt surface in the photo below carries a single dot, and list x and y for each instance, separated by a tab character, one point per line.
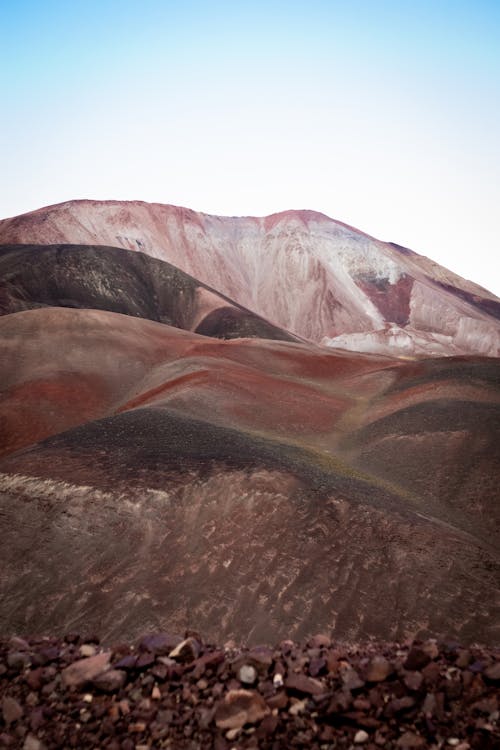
168	691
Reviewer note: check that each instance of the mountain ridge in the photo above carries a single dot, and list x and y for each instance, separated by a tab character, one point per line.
314	276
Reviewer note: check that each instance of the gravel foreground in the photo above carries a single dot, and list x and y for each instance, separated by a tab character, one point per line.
172	692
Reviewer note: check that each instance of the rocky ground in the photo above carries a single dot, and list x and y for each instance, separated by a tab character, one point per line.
173	692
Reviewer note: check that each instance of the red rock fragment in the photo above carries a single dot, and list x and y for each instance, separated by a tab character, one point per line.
350	678
85	670
240	707
413	680
11	710
378	669
299	683
410	740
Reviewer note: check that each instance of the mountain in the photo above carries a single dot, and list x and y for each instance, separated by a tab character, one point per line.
169	455
300	270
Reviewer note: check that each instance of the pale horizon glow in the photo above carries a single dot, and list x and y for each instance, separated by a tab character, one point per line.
383	115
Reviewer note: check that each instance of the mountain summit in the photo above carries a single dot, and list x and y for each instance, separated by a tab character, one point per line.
322	280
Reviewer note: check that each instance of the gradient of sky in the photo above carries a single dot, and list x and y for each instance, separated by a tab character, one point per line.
385	115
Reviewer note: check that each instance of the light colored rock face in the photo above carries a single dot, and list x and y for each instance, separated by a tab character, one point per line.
316	277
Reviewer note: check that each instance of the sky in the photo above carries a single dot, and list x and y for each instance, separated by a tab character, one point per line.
384	115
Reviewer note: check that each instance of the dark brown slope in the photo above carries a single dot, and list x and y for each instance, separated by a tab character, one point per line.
220	482
110	278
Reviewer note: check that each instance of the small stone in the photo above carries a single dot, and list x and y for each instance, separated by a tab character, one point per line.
416	659
361	737
186	651
247	674
299	683
493	672
463	658
137	727
87	649
280	700
126	662
430	648
317	666
413	680
124	707
231	734
160	644
240	707
18	660
156	693
19	644
410	740
351	679
110	681
378	669
453	741
144	660
88	698
33	743
85	670
34	678
298	707
278	680
11	710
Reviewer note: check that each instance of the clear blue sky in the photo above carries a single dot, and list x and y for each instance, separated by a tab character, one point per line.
385	115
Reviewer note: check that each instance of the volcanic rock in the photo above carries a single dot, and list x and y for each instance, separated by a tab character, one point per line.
240	707
378	669
84	670
11	710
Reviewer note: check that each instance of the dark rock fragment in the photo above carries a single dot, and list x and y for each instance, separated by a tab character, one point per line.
160	644
416	659
493	672
110	681
186	651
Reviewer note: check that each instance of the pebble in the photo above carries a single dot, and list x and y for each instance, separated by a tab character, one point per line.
299	683
33	743
247	674
413	680
361	736
297	707
493	672
378	669
410	740
416	659
11	710
110	681
240	707
186	651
